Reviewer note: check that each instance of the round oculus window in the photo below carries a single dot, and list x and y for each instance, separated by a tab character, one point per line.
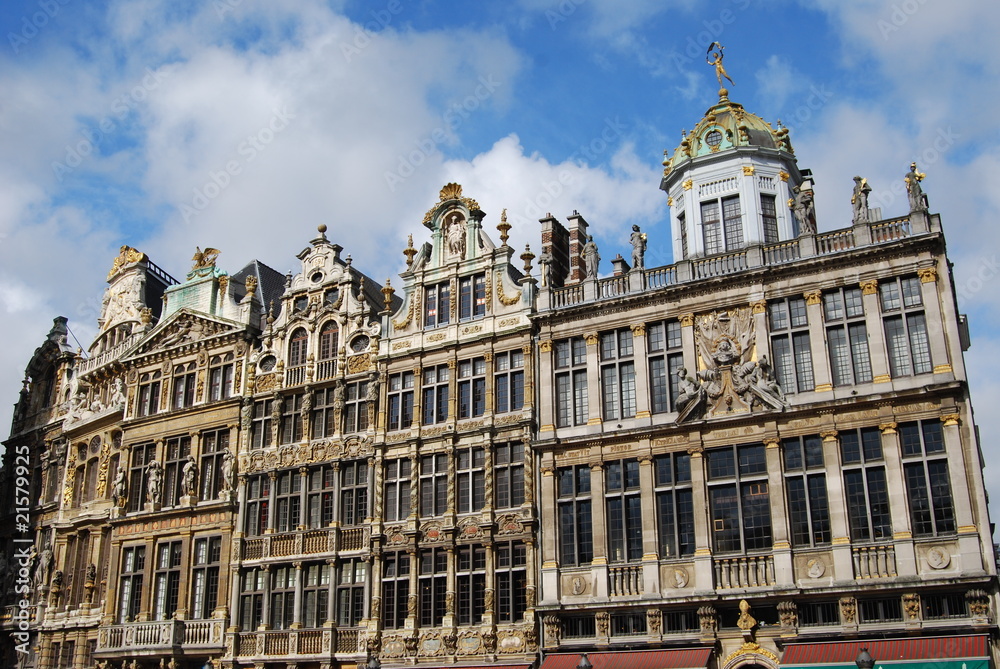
713	138
316	277
360	343
267	363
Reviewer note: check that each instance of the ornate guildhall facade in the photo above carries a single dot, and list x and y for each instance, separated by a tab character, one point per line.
762	454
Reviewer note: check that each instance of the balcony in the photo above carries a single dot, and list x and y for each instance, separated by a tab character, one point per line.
287	643
754	571
163	636
303	542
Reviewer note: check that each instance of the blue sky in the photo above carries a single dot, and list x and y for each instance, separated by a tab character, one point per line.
243	124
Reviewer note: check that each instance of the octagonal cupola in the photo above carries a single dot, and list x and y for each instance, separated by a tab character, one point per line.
731	184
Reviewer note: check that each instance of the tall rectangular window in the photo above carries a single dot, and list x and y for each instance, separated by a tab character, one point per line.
437	304
355	407
205	576
769	217
167	579
433	585
130	583
252	586
400	400
928	488
511	581
433	484
733	221
571	382
682	224
351	592
260	425
865	488
178	450
291	419
576	532
508	381
353	492
790	348
905	326
288	501
674	505
712	227
435	394
214	445
324	421
319	496
472	296
471	582
666	358
471	483
739	501
395	589
471	388
282	597
258	493
142	455
805	484
396	487
617	375
624	506
315	595
847	336
508	474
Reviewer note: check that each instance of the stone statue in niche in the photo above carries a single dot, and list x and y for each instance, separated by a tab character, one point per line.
189	476
154	481
455	233
118	488
228	470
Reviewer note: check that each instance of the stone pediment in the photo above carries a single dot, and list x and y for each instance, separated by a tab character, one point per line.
181	329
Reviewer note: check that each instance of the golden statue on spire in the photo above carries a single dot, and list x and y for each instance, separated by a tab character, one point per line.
720	70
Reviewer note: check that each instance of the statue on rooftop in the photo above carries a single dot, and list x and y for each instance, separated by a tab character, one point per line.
804	209
916	195
720	70
638	241
591	258
859	199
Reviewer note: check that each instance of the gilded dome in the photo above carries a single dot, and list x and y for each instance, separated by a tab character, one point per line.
727	125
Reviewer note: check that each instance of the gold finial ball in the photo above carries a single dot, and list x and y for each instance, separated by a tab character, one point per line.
322	228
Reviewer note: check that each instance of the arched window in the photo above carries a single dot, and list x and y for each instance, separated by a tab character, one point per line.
297	345
185	381
328	339
220	377
149	394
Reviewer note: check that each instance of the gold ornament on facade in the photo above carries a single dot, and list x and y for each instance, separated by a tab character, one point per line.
869	287
927	275
126	256
145	315
750	648
759	307
688	185
251	284
206	258
527	257
504	227
686	320
506	300
409	251
670	201
748	170
828	435
888	428
387	292
451	191
745	622
403	322
638	330
358	363
591	338
102	472
265	382
223	283
950	419
783	175
545	346
812	297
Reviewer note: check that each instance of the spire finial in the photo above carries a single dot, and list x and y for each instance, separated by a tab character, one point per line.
409	251
504	227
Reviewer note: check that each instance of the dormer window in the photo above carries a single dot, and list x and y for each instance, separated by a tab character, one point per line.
725	232
713	138
331	295
301	303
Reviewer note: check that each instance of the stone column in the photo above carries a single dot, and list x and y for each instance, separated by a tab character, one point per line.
784	575
876	333
297	613
935	319
146	600
335	520
411	598
304	498
899	511
704	577
687	342
450	589
418	397
265	614
331	594
599	565
546	405
594	404
184	594
531	585
965	516
650	550
843	563
529	376
549	509
817	341
452	391
642	410
490	401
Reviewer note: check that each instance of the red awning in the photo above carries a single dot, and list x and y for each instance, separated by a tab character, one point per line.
480	666
885	650
686	658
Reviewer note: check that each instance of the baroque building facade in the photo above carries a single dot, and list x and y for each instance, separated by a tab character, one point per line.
762	454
